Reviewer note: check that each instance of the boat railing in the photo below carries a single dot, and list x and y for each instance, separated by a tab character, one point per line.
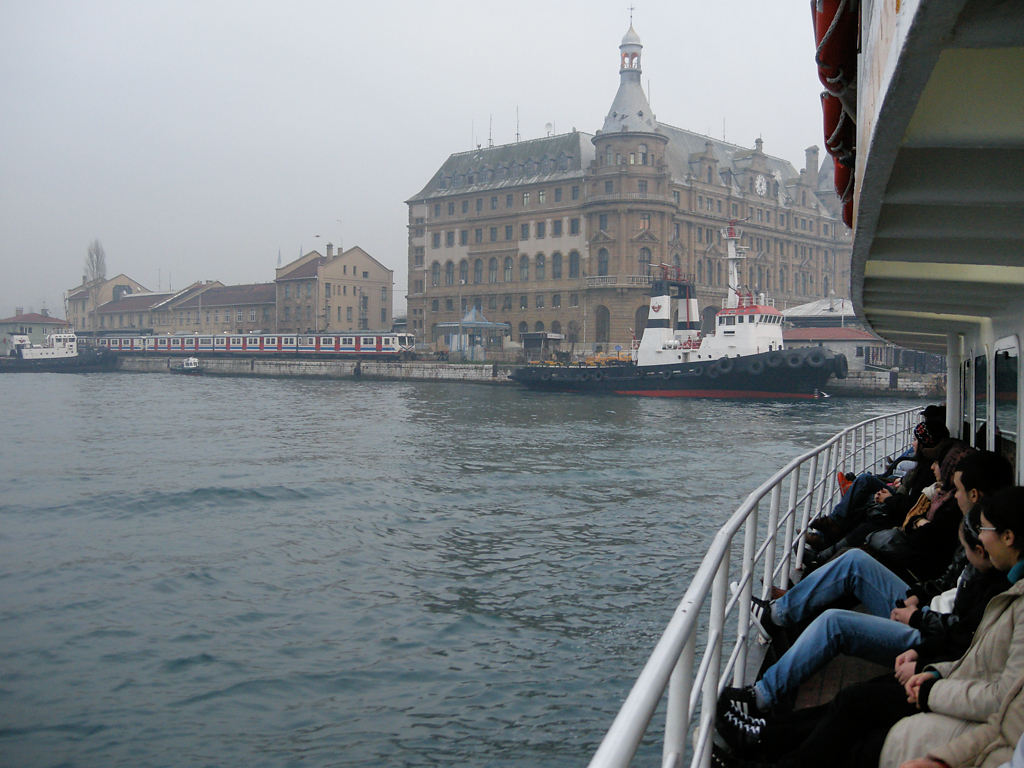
715	609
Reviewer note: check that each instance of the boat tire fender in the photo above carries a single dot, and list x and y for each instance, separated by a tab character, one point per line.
773	360
712	371
598	375
816	359
756	367
794	360
725	365
840	366
545	375
666	375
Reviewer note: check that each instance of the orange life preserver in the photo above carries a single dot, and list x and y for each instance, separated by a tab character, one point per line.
843	179
835	37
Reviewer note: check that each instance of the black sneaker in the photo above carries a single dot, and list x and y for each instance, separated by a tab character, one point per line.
739	701
741	732
762	613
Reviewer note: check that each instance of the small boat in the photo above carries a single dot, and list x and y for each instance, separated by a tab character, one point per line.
59	353
744	357
190	366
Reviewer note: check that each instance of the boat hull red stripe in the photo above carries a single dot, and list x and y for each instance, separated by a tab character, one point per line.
729	393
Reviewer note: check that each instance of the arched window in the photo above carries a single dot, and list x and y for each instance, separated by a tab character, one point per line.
524	268
556	327
700	271
645	261
574	264
508	269
643	154
435	274
478	271
640	321
539	327
677	261
602	262
824	285
492	271
556	266
538	266
449	273
463	271
523	328
603	323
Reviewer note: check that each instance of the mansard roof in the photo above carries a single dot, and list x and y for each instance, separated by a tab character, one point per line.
552	158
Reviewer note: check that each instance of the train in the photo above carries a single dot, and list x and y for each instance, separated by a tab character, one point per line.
370	344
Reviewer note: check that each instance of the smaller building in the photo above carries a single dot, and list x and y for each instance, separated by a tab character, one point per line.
474	337
32	324
83	301
245	308
863	350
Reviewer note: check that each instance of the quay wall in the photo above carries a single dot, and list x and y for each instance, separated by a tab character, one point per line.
857	384
330	369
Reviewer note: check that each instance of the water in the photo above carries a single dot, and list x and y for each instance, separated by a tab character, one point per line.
287	572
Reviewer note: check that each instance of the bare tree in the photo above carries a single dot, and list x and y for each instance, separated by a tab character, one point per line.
95	262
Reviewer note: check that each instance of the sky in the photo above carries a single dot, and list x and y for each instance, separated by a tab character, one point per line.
206	140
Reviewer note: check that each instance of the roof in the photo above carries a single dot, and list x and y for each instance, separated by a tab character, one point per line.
135	302
305	270
552	158
34	317
232	295
474	318
829	307
828	334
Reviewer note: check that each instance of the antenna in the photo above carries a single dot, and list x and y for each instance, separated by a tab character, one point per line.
490	130
517	123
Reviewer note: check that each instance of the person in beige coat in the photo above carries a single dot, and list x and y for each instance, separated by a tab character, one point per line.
958	698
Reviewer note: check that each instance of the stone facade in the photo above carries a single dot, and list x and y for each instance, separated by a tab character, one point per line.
82	301
344	291
561	234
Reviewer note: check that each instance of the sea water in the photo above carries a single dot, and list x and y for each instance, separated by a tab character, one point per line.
227	572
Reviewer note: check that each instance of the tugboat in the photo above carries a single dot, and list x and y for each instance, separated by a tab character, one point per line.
60	353
744	357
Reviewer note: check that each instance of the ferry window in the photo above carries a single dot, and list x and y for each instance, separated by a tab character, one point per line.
348	340
271	340
206	341
1006	404
368	341
980	401
236	341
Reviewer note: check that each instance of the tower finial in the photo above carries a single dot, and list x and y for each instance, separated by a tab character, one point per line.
631	9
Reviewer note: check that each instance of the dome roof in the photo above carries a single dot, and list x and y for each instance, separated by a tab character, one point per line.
631	38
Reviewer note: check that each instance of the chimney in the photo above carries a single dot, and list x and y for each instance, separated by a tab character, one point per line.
19	311
811	161
759	145
330	250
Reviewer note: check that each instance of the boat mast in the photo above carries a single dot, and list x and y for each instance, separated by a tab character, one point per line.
735	254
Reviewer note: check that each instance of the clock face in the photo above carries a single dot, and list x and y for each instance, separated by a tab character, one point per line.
760	185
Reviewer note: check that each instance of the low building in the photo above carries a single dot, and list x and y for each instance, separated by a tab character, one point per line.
32	324
228	309
863	350
83	301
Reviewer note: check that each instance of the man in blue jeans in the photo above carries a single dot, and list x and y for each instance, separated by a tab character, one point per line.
879	635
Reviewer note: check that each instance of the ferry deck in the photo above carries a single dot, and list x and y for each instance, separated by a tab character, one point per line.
936	202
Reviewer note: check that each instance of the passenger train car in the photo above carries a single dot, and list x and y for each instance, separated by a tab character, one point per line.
381	345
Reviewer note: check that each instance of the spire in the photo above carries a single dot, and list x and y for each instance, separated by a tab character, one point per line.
630	110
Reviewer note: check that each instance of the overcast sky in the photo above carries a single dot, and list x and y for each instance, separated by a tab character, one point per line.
200	139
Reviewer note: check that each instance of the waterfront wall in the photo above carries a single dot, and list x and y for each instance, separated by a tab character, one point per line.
330	369
892	383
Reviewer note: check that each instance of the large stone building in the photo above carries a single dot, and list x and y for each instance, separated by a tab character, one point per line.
345	291
82	301
559	234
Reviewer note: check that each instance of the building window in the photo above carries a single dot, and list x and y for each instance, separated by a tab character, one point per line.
508	200
645	261
602	222
463	272
609	187
526	199
574	264
558	194
506	302
433	308
556	300
479	204
556	228
575	193
449	273
574	299
641	186
492	302
465	206
541	229
541	196
464	237
645	221
435	240
524	231
437	210
449	238
540	301
417	255
449	305
602	262
494	234
556	266
492	271
538	266
252	315
435	274
523	304
508	269
508	232
524	268
494	202
574	226
478	271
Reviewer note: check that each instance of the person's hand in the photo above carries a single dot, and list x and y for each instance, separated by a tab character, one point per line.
897	482
908	655
913	601
905	671
913	685
902	615
923	762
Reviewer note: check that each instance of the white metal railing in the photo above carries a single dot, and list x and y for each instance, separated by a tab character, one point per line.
796	494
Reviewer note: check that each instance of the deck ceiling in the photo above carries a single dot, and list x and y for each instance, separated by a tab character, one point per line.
939	242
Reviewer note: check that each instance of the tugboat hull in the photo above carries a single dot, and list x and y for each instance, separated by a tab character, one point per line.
88	360
791	373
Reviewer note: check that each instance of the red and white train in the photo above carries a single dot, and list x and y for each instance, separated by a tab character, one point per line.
366	344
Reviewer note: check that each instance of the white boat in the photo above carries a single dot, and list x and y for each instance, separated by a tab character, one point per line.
190	366
930	130
59	353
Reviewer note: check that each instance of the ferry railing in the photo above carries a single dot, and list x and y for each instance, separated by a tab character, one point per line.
806	487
